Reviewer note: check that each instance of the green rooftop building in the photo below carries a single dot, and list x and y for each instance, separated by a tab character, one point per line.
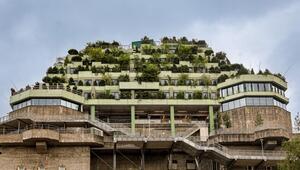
170	105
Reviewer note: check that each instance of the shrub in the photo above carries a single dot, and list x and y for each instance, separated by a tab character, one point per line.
180	95
71	81
73	52
80	83
123	78
222	78
197	95
150	73
76	58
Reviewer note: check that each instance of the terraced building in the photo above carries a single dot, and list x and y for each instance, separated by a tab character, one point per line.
173	104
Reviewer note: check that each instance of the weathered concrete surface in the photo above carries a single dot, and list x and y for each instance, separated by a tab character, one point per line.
73	158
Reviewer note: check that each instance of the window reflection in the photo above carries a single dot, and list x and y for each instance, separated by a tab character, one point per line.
46	102
252	101
249	87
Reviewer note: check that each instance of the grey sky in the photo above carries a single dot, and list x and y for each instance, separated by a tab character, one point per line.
257	33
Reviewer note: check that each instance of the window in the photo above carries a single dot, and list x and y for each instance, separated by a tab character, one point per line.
241	88
254	87
167	94
231	105
243	102
64	103
262	101
255	101
248	87
249	101
224	92
269	101
229	91
213	95
252	101
225	106
237	104
268	87
235	89
261	87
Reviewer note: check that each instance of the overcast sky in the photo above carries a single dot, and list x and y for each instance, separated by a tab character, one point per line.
257	33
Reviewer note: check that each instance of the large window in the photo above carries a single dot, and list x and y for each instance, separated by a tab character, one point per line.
249	87
46	102
252	101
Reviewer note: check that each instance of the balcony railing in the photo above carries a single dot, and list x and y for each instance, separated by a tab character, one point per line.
77	130
46	86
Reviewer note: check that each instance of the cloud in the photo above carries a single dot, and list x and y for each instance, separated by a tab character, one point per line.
260	42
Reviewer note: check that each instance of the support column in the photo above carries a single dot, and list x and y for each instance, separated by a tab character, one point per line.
93	113
172	120
114	157
143	159
19	126
132	94
132	109
211	119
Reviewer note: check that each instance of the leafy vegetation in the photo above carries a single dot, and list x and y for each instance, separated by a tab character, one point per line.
292	161
150	73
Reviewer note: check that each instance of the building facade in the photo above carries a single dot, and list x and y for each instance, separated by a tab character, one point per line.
176	105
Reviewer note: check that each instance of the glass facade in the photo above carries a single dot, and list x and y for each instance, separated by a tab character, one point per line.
46	102
252	101
248	87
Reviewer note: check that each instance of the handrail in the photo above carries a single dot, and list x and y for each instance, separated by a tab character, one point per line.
46	86
248	130
77	130
215	147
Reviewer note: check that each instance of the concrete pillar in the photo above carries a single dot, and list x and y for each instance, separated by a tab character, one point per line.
211	119
132	94
172	120
114	157
143	160
132	109
19	126
93	112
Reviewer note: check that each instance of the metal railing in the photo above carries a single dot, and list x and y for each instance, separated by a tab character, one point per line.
195	126
46	86
265	126
77	130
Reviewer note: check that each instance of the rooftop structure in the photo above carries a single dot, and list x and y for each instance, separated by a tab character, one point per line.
175	104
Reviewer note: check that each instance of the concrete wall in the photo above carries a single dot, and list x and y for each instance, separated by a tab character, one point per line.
276	122
73	158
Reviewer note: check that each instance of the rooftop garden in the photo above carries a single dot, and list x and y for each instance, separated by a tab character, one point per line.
188	56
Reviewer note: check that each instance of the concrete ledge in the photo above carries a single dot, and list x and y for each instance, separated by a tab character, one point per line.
40	134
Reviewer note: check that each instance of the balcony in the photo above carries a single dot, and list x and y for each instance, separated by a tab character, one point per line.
139	86
46	90
51	134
